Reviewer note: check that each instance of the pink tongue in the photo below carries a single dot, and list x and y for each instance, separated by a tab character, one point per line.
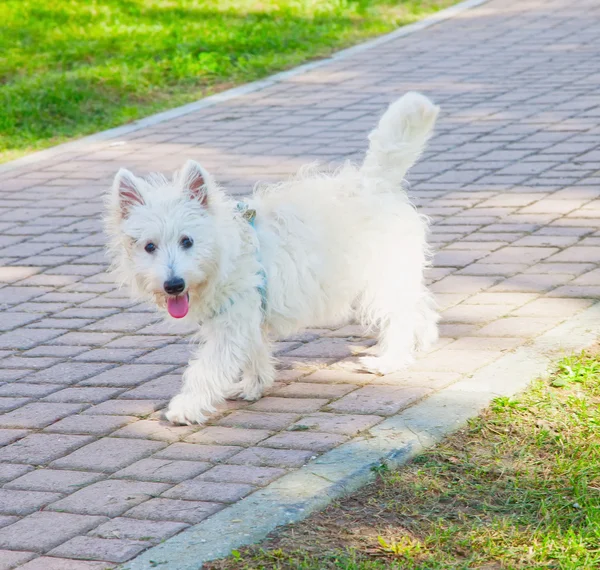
178	306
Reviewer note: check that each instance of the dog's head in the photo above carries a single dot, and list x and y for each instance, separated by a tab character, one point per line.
163	236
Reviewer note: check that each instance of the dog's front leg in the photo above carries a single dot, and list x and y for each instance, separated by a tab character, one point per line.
217	365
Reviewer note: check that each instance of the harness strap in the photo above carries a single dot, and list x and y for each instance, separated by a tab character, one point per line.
249	214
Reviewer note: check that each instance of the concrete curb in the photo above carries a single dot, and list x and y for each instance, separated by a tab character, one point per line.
349	466
117	132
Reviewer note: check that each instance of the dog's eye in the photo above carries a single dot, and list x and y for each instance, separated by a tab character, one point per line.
186	242
150	247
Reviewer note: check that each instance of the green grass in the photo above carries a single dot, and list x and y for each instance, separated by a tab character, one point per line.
519	488
72	67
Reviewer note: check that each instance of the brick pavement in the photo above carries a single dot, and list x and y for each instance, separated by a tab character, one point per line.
91	476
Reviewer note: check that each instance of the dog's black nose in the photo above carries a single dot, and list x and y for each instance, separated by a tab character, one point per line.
174	286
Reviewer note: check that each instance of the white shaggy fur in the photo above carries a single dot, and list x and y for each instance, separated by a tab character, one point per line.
332	246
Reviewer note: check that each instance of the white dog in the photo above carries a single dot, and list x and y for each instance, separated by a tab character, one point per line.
312	251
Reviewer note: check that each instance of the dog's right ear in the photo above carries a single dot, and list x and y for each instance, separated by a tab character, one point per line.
126	190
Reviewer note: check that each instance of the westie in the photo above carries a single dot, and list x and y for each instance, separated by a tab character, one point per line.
313	251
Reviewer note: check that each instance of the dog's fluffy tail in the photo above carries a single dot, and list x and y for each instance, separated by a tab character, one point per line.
400	138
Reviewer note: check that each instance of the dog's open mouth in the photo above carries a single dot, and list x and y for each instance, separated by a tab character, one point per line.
179	306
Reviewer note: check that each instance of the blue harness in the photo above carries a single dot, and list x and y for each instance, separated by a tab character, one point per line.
249	215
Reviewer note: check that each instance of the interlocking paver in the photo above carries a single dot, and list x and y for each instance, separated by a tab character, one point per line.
256	420
40	448
10	471
53	480
264	457
163	470
41	531
108	498
11	559
134	529
220	492
92	548
384	400
108	454
228	436
196	452
47	563
92	425
510	182
302	440
24	502
190	512
246	474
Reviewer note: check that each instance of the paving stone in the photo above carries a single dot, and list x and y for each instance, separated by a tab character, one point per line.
108	454
24	502
264	457
532	283
255	420
575	254
28	390
91	548
40	448
163	388
9	435
228	436
314	390
323	348
55	481
151	532
220	492
126	375
154	429
11	559
27	338
6	520
339	376
92	425
68	372
109	355
384	400
245	474
172	354
304	440
84	395
553	308
525	326
191	512
38	415
163	470
125	407
345	424
47	563
80	338
10	471
39	532
486	343
196	452
108	498
289	405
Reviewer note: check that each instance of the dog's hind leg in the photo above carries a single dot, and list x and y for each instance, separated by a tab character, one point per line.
407	320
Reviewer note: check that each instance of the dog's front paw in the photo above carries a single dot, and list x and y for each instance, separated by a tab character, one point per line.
379	365
184	411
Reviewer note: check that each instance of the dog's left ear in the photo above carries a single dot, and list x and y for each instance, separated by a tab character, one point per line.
194	180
